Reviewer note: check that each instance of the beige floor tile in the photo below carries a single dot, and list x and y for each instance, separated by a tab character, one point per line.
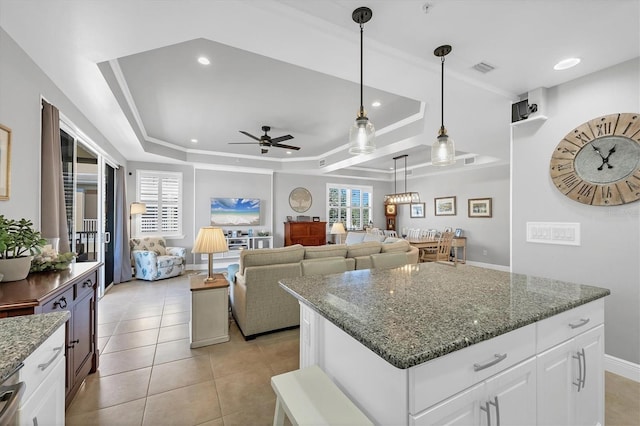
102	342
121	342
137	312
173	332
127	414
254	415
236	361
174	319
127	360
108	316
179	298
138	324
237	392
177	374
216	422
190	405
102	392
176	307
276	350
622	401
285	365
175	350
106	329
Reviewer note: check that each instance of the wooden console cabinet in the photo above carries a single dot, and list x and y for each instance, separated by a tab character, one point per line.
305	233
74	290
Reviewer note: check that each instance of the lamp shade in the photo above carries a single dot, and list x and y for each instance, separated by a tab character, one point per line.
210	240
138	208
338	228
443	151
362	137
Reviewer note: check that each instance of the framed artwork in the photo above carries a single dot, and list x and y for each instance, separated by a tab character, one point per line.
480	207
5	161
235	211
458	233
445	206
316	218
300	200
417	210
289	218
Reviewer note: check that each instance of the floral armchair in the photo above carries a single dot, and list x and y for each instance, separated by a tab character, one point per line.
153	260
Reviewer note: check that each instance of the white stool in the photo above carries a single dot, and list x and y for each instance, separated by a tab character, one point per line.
309	397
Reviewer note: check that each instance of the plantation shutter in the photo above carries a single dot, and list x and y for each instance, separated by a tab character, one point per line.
161	192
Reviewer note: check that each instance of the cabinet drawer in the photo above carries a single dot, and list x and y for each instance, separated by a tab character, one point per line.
85	285
40	363
63	301
564	326
456	371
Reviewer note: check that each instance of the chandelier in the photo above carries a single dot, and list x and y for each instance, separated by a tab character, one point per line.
401	197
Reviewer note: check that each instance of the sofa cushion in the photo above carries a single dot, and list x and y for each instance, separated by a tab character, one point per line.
155	244
165	261
363	249
271	256
329	250
363	262
354	237
398	246
392	240
373	237
324	266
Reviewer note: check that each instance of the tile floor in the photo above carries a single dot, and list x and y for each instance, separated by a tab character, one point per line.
148	375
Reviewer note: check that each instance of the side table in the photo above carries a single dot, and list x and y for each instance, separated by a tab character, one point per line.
209	311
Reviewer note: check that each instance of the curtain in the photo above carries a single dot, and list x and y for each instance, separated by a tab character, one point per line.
53	216
121	253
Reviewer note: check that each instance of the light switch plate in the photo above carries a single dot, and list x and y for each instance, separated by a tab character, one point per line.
563	233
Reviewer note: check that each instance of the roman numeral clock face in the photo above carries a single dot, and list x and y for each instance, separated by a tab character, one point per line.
598	162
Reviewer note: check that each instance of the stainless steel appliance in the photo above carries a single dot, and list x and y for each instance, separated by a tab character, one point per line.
10	392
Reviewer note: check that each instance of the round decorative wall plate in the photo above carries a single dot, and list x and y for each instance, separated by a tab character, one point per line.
300	200
598	162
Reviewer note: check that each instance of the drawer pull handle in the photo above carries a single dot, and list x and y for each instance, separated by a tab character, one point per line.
583	321
497	358
487	410
87	283
497	405
62	303
57	351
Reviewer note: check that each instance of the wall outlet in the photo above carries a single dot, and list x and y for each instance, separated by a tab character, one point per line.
564	233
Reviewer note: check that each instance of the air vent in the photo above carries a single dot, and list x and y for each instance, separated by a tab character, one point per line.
483	67
322	162
469	160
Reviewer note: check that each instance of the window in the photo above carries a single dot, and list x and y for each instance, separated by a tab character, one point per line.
162	194
350	205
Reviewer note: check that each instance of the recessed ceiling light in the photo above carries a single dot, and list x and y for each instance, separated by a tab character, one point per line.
376	104
194	140
203	60
566	64
289	152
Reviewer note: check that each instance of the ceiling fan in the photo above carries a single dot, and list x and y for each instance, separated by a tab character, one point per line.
265	141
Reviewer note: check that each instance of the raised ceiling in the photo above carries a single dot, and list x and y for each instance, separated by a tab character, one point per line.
131	68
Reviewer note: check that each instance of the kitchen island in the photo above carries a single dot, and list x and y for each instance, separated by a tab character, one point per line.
431	343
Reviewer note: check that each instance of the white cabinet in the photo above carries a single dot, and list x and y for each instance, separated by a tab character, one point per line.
506	398
571	382
44	376
244	242
209	311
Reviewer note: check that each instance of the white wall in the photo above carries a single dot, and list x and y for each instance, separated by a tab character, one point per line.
21	85
609	255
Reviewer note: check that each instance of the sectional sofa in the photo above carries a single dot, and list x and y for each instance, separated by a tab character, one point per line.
258	303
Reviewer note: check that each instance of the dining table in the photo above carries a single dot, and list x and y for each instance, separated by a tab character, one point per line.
432	244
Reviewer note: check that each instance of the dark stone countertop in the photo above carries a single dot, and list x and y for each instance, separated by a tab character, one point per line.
416	313
21	335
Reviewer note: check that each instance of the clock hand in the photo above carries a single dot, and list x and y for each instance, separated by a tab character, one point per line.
606	160
596	149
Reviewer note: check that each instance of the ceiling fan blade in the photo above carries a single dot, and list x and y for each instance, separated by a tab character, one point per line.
277	145
243	143
249	134
281	139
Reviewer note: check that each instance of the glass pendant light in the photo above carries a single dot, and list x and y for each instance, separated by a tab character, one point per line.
443	151
362	133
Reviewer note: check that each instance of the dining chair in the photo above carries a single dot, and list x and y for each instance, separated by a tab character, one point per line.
442	251
390	233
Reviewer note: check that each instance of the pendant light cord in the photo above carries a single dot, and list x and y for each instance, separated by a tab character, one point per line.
442	94
361	72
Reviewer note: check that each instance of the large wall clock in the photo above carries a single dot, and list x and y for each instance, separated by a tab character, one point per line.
598	162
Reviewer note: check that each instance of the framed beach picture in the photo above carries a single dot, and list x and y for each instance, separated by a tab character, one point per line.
5	161
235	211
416	210
445	206
480	207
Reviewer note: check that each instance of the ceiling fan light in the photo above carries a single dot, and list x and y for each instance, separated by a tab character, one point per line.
362	137
443	151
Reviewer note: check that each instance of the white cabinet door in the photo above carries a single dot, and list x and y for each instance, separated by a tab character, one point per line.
589	405
512	395
46	405
571	381
462	409
557	373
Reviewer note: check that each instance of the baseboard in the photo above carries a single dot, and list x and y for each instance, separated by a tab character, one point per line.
489	266
622	368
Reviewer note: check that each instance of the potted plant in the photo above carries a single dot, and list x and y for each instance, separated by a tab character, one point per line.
19	241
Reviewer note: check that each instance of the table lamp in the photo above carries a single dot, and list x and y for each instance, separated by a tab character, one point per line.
338	229
136	209
210	240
